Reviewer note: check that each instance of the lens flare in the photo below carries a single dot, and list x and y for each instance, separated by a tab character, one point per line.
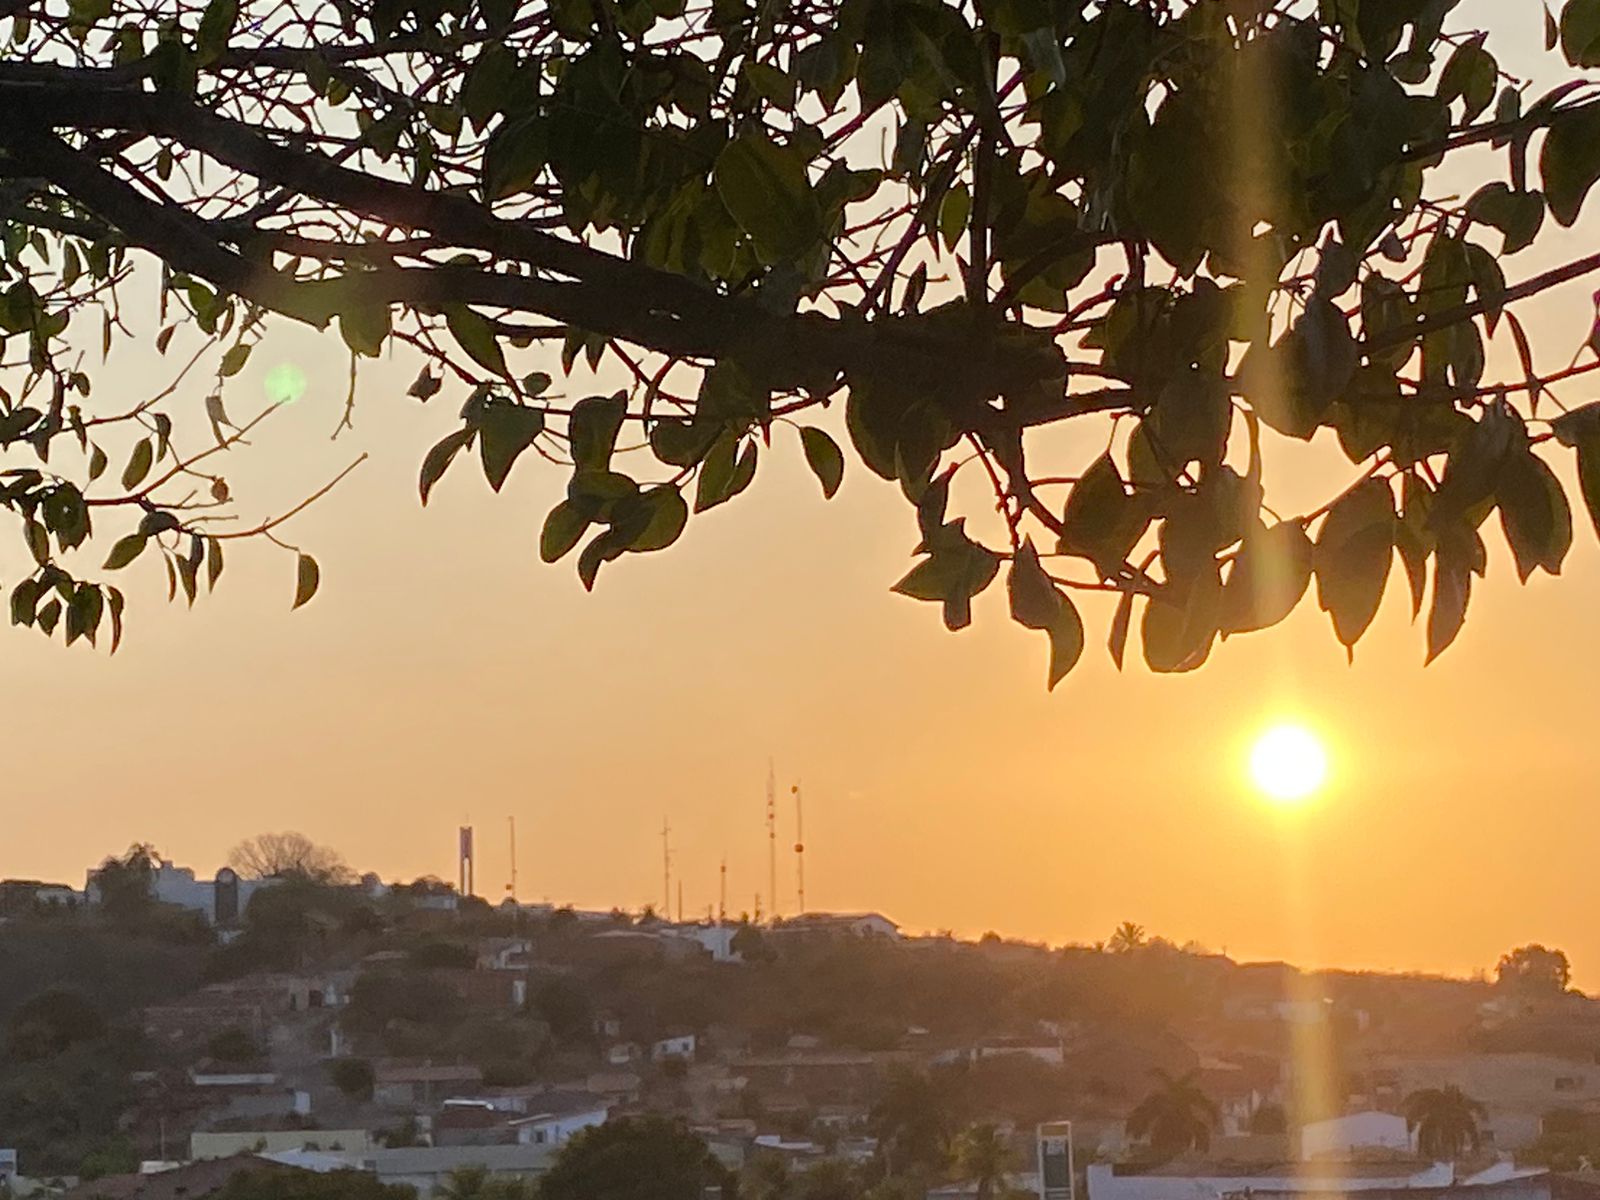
284	384
1288	763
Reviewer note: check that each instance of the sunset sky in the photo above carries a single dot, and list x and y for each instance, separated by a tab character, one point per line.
443	675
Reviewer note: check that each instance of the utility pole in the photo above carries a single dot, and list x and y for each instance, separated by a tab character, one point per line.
680	902
722	893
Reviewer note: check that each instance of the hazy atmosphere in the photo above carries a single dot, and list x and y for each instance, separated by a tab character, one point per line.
443	675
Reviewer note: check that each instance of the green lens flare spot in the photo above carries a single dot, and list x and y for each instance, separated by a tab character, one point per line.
285	384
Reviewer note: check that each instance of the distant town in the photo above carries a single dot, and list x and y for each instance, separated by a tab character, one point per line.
281	1027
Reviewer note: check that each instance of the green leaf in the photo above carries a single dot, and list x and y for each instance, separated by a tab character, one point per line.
440	458
765	189
1570	161
1580	32
213	562
216	26
1066	642
139	464
364	325
505	430
717	472
83	613
476	336
125	551
49	616
234	360
97	463
536	383
1534	514
562	530
307	577
825	459
24	599
1181	622
954	210
667	514
1035	601
1452	588
115	602
1354	551
593	428
1121	622
1518	215
1102	522
956	570
425	386
1270	575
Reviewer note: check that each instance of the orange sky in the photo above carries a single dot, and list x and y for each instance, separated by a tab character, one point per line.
444	674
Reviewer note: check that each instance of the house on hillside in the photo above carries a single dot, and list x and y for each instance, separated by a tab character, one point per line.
715	940
413	1085
558	1117
677	1045
27	895
861	925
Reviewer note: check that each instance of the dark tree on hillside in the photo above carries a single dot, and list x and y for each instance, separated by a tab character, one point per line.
637	1158
1188	230
1445	1121
1534	970
50	1023
1175	1118
125	883
913	1122
289	856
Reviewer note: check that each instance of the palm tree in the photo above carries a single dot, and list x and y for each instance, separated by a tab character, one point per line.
982	1156
1174	1118
1445	1121
1126	938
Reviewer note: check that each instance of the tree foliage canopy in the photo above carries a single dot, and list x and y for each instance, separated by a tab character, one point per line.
289	856
1185	228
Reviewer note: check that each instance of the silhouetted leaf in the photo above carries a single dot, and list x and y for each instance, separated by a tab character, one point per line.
125	551
563	528
139	464
825	459
1354	551
307	577
476	336
1269	577
440	458
505	430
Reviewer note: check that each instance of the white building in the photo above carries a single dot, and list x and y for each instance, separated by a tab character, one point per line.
864	925
1341	1137
221	901
716	940
1193	1181
560	1122
8	1166
679	1046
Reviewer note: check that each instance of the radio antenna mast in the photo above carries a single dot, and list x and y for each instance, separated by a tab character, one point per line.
772	841
666	870
512	886
799	846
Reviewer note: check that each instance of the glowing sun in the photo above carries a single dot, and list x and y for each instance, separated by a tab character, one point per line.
1288	763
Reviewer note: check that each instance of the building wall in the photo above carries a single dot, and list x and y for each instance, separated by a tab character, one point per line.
1340	1136
1105	1183
553	1131
271	1141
